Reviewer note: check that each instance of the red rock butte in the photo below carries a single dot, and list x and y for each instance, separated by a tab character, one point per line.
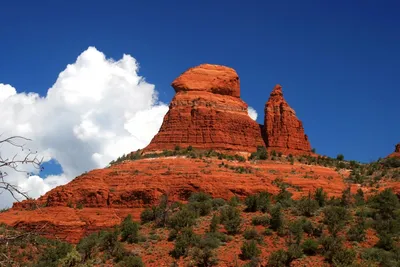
396	152
207	113
283	131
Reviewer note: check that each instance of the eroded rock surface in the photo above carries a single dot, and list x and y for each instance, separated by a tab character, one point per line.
207	113
283	131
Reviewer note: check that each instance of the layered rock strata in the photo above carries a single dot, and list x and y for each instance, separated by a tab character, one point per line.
207	113
283	131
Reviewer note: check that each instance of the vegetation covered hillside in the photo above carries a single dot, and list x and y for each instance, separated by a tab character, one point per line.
262	230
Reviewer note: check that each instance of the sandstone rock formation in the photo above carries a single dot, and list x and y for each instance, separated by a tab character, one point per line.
396	152
101	198
207	113
283	131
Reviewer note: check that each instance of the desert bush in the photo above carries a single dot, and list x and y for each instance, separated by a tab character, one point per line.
217	203
52	254
132	261
284	197
260	220
181	219
258	202
344	258
215	220
386	203
184	240
307	206
147	215
335	218
87	246
73	258
331	246
252	234
261	153
249	250
310	247
276	220
230	218
359	197
357	231
296	231
278	258
203	256
234	201
129	230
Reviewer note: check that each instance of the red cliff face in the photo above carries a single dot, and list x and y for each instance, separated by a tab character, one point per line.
283	131
396	152
207	113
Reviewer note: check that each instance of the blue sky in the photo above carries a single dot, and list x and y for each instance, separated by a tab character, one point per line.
338	61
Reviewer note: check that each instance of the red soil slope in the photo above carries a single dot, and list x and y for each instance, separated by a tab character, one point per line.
108	195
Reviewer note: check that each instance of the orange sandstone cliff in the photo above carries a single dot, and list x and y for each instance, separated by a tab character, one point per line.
207	113
283	131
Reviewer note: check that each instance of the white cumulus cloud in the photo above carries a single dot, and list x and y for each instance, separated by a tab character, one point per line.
97	110
252	113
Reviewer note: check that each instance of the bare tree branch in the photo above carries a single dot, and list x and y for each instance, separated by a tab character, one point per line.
15	163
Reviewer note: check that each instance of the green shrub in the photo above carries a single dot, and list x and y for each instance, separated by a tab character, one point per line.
359	197
294	252
147	215
384	258
296	230
345	200
252	234
217	203
340	157
307	206
259	202
173	233
260	220
308	228
184	240
132	261
276	221
386	203
284	197
310	247
331	246
335	218
234	201
230	218
181	219
261	153
73	258
52	254
87	246
385	241
203	256
129	230
215	220
357	231
249	250
278	258
344	258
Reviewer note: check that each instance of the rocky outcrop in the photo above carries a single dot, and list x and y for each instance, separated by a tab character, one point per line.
207	113
101	198
283	131
396	152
